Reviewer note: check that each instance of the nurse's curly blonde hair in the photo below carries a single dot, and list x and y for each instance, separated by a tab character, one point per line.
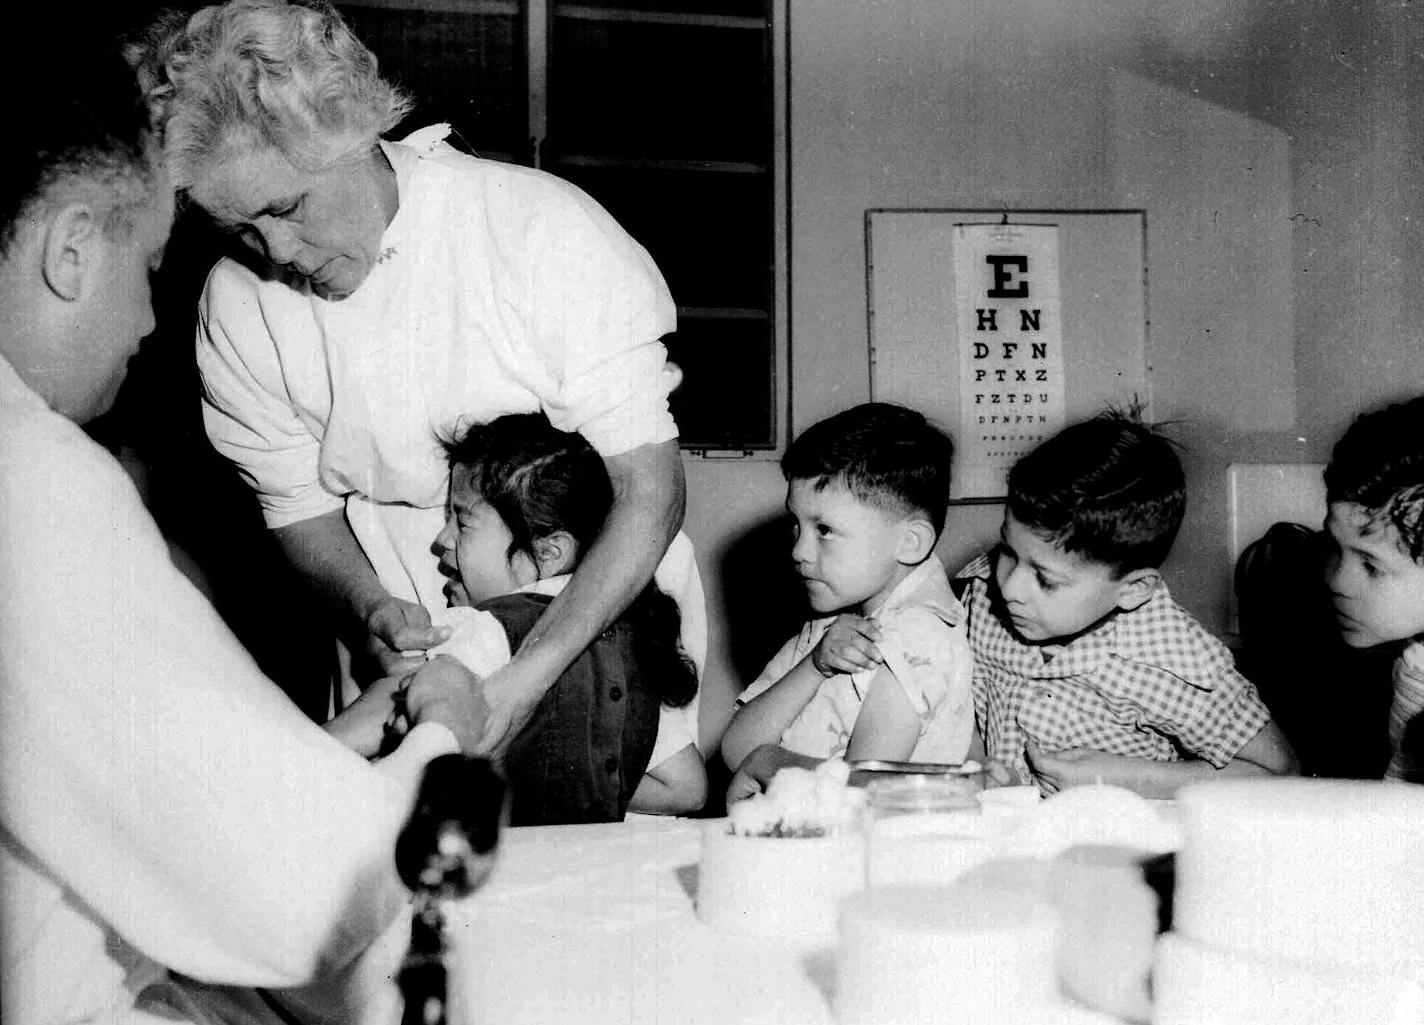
262	73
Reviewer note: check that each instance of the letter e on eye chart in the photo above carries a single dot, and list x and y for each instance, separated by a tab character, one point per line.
1010	345
1005	333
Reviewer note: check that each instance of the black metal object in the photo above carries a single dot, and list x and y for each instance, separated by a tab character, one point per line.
444	853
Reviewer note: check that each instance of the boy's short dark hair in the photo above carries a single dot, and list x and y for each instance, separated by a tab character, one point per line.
1110	489
1378	464
879	452
82	133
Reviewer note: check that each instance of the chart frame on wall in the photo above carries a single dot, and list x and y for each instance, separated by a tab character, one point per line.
1051	308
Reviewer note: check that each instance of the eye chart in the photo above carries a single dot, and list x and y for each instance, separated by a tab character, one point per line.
1005	328
1011	343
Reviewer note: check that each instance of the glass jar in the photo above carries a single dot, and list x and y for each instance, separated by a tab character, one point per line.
925	828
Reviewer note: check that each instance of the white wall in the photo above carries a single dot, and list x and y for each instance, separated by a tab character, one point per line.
943	103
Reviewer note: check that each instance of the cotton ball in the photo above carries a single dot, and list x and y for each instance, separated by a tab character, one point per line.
1095	815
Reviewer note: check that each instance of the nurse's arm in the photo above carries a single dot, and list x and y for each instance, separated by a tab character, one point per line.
649	494
326	553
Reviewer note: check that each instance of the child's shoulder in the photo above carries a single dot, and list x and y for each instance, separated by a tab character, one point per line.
1162	634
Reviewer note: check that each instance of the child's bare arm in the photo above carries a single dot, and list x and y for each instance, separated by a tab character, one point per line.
887	727
764	718
847	646
674	786
1266	754
361	724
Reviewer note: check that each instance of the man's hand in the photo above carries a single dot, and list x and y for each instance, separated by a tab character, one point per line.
848	646
512	698
399	632
1076	766
361	724
444	691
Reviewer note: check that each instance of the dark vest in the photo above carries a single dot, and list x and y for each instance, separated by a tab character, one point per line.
582	754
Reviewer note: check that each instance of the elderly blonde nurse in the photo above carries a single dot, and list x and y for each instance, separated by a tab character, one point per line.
392	293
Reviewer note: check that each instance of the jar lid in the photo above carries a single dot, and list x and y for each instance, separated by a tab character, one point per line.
925	792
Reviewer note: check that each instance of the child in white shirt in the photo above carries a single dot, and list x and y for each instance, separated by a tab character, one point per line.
885	670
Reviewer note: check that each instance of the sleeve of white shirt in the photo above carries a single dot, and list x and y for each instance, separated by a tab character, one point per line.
781	663
147	763
601	308
929	659
246	412
477	640
677	727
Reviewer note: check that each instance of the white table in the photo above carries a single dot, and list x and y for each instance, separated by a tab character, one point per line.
596	924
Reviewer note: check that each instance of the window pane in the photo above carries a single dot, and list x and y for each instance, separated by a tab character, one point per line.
467	68
709	232
729	383
732	8
640	89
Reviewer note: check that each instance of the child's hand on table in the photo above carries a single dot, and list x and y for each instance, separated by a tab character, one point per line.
1075	767
848	646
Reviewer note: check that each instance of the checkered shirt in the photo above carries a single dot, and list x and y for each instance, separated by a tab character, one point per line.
1408	702
1147	683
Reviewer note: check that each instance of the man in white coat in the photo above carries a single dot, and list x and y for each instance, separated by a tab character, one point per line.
163	806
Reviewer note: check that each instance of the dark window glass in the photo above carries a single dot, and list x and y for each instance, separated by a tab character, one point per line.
728	389
464	68
709	232
715	8
663	91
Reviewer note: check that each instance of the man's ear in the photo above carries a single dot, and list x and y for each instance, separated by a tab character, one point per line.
917	540
73	248
1136	586
555	553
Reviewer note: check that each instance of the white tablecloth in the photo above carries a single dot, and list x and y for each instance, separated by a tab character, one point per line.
596	924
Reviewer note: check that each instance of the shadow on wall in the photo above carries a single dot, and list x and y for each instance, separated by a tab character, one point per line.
764	604
764	598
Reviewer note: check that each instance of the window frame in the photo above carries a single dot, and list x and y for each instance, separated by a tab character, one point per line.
536	18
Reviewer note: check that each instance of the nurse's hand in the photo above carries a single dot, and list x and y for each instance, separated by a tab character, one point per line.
399	632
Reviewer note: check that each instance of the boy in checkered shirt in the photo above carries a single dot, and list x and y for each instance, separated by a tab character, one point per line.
1374	487
1086	670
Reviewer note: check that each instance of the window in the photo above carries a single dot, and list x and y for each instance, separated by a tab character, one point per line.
668	112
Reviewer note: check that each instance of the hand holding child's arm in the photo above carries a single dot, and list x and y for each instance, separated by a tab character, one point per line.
848	646
361	724
446	692
395	627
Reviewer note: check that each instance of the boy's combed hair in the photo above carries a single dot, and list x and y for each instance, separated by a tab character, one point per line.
1110	489
1378	464
540	480
882	454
